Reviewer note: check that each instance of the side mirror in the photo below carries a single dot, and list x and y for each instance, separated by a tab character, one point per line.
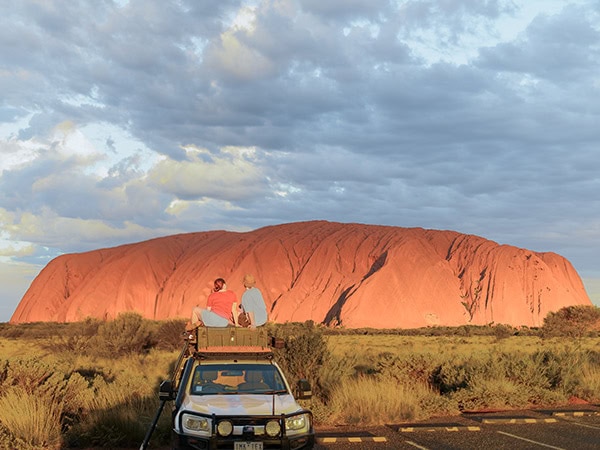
165	391
303	390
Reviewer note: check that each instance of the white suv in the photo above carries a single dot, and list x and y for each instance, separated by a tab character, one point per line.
231	396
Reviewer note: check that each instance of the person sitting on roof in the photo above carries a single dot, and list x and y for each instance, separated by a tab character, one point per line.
221	308
253	303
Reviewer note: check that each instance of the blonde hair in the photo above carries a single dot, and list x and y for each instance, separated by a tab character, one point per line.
249	281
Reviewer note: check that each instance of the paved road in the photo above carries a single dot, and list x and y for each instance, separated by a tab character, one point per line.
566	429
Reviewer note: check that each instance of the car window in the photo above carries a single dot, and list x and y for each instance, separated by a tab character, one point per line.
237	379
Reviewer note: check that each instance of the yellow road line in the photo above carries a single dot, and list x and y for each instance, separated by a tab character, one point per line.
350	439
440	428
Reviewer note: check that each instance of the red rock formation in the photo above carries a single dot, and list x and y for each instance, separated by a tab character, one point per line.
339	274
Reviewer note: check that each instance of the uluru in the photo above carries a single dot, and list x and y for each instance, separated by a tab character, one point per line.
338	274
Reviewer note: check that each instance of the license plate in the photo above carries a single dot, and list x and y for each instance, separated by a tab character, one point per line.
247	446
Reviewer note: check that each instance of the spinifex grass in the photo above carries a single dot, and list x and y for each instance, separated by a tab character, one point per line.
82	401
33	420
99	400
453	373
368	401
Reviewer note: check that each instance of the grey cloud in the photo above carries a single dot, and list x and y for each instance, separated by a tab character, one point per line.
349	120
338	10
555	48
58	182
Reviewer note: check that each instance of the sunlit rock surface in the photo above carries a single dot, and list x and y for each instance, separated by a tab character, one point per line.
349	275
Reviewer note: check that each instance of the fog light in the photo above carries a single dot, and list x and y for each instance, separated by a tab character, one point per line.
272	428
225	428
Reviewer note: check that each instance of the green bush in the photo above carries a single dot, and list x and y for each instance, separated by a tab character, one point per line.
452	376
128	334
169	334
76	338
502	331
304	354
413	368
572	321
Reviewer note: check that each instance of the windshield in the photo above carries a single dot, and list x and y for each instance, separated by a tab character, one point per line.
237	379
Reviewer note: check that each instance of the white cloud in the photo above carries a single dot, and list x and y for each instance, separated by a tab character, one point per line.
231	175
10	248
124	121
49	229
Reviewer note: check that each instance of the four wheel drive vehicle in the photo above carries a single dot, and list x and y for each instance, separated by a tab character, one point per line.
229	393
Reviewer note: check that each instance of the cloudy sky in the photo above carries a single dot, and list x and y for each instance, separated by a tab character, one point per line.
126	120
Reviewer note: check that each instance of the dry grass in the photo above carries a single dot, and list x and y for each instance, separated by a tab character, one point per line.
33	420
373	345
391	377
366	401
99	401
52	401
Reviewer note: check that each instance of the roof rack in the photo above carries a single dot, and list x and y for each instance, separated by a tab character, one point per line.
213	340
232	352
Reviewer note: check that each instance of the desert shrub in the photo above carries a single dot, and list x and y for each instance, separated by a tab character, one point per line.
527	331
168	334
414	367
77	338
462	330
304	354
502	331
564	370
572	321
514	379
496	392
119	407
509	379
9	330
28	374
451	376
129	333
521	369
33	330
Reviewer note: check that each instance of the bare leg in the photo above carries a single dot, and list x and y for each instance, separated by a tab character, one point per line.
196	319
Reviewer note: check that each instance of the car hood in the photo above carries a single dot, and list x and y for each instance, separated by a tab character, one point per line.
230	405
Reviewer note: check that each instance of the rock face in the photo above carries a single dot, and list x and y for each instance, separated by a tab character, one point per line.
349	275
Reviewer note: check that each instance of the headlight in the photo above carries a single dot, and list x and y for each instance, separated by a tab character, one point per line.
225	428
195	424
296	423
272	428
